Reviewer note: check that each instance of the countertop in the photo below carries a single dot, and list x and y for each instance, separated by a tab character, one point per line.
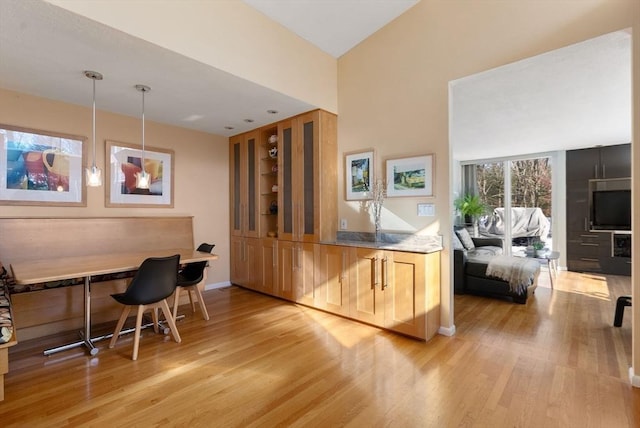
390	241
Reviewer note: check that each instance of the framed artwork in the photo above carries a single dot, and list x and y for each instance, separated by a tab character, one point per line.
124	162
359	175
41	168
410	176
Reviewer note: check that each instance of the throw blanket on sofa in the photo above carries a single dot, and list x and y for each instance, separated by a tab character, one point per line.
519	272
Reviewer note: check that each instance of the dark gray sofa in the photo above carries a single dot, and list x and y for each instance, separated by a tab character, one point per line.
470	268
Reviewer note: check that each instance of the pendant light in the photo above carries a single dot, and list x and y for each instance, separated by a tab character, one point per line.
93	173
142	178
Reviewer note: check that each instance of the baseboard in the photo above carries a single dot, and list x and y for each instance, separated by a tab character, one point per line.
634	379
217	285
447	331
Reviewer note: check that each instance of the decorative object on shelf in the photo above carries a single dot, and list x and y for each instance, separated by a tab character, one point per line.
470	207
379	193
273	208
272	234
539	249
273	152
359	173
273	139
93	173
41	168
274	188
274	168
125	161
142	177
410	176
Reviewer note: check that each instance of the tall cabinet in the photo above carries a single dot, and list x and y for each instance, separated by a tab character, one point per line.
307	177
588	250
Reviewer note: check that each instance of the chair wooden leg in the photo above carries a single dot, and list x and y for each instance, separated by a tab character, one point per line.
116	332
136	337
193	306
203	308
176	300
170	320
154	319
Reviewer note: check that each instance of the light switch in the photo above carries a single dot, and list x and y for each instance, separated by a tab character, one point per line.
426	210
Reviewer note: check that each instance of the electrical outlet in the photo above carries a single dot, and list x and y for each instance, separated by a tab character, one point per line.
426	210
343	224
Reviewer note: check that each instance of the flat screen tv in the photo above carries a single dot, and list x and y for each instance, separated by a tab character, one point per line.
611	210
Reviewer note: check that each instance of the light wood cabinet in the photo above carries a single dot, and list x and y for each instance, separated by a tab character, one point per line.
245	262
268	265
332	279
244	184
295	271
366	299
396	290
307	177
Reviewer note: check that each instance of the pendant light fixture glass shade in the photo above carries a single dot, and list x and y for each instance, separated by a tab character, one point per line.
93	173
142	178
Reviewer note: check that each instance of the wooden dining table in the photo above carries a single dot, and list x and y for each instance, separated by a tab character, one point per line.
27	272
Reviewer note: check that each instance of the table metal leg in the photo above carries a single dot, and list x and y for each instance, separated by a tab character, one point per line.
85	335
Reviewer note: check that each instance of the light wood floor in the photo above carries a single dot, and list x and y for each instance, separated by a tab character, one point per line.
259	361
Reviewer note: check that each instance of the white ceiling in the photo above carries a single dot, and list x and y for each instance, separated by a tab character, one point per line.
575	97
335	26
44	50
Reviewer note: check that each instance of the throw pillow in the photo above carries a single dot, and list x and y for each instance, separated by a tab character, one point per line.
465	238
455	242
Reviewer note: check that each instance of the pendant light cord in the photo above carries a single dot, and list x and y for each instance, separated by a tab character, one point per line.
94	123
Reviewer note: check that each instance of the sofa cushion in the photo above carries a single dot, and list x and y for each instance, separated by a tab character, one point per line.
455	242
465	238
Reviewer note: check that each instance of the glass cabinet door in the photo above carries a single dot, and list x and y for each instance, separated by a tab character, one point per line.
286	197
251	194
238	183
307	214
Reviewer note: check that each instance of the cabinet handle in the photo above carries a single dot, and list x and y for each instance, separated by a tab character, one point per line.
588	244
275	256
586	259
604	171
595	170
585	225
385	272
374	280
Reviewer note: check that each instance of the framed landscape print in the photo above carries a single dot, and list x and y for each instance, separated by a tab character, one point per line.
359	175
41	168
124	161
410	176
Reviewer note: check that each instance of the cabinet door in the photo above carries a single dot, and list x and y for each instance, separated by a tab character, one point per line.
244	181
253	264
237	184
403	284
332	280
239	261
309	163
287	202
366	300
305	280
268	265
295	270
583	164
615	161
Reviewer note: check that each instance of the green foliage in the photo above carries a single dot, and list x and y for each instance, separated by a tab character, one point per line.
538	245
470	205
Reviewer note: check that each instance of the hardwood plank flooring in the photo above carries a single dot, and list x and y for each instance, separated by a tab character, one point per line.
263	362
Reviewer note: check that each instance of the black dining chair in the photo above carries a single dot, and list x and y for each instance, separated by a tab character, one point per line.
154	281
189	278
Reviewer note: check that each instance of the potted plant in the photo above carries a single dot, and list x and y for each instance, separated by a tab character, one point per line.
470	207
538	246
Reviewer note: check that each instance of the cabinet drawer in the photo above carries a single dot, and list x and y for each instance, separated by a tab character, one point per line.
577	250
584	264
